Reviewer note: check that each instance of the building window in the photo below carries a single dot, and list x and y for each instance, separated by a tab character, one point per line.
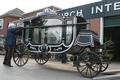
1	23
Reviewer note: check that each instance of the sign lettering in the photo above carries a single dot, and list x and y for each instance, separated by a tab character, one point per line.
98	9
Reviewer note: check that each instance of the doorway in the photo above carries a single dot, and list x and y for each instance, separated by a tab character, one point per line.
113	33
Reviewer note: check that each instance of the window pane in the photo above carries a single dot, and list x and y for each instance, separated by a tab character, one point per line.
36	36
51	35
53	22
69	33
42	31
27	34
54	35
84	39
1	23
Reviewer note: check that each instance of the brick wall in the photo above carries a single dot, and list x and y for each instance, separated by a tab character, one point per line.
5	24
95	25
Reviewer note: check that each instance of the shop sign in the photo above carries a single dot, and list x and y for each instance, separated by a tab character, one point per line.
98	9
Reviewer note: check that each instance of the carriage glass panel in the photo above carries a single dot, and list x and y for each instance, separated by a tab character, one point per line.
69	32
85	39
36	36
26	36
52	35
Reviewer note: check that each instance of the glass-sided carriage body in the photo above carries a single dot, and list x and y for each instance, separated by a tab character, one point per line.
55	34
52	34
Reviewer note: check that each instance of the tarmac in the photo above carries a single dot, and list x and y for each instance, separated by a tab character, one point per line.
112	72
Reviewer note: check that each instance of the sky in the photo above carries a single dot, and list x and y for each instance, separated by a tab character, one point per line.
31	5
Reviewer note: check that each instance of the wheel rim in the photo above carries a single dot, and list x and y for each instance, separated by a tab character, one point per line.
89	65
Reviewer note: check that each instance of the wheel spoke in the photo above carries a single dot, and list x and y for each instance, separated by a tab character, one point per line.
87	71
90	72
83	69
16	59
19	61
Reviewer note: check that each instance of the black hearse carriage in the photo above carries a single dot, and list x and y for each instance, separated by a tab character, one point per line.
52	34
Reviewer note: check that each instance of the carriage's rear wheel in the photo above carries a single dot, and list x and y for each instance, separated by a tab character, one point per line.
41	58
21	55
89	64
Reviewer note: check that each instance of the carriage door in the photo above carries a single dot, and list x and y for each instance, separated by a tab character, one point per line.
83	26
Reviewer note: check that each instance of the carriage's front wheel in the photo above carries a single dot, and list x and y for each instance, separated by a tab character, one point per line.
89	64
41	58
21	55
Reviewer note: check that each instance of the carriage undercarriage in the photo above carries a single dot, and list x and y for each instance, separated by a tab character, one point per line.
88	62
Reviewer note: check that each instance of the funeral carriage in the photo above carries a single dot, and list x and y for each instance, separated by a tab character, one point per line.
52	34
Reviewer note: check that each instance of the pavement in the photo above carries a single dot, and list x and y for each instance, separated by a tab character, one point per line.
112	73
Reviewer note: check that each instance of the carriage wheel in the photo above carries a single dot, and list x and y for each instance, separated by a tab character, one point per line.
41	58
20	56
89	64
